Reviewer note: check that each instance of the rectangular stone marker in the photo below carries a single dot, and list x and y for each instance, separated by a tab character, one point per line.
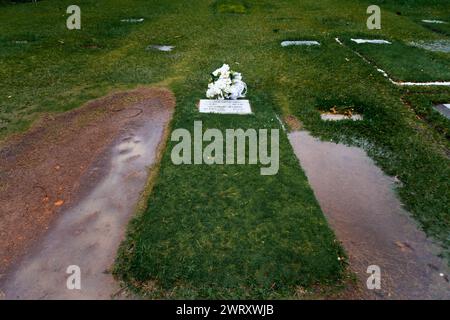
372	41
434	21
132	20
443	109
225	106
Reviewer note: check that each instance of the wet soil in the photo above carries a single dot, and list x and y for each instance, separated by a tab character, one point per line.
69	186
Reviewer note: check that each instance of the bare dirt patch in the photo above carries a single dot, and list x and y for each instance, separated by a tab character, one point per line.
58	162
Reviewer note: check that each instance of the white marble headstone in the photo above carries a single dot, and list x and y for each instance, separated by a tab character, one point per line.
225	106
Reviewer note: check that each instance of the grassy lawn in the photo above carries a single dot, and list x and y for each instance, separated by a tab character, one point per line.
227	231
406	63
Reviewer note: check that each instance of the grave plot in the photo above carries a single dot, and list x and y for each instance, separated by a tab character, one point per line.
433	109
435	46
404	64
132	20
230	7
307	43
69	187
437	25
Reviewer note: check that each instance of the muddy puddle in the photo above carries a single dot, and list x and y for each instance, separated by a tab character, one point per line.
87	226
360	204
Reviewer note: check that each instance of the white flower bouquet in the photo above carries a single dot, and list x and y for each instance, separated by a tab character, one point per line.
226	84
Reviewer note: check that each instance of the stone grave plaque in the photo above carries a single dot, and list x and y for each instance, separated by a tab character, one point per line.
225	106
443	109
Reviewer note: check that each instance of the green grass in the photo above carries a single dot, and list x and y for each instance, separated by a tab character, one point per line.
227	231
405	62
230	6
423	104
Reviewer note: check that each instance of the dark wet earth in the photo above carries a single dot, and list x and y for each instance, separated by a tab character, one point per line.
360	204
87	231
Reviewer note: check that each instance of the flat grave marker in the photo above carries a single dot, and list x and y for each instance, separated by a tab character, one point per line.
337	117
436	46
225	106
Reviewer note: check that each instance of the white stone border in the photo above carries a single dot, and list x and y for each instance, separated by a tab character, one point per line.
398	83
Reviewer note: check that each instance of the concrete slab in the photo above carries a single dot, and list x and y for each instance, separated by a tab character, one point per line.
225	106
91	223
300	43
443	109
371	41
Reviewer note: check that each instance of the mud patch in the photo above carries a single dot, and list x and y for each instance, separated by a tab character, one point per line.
370	41
73	166
360	205
328	116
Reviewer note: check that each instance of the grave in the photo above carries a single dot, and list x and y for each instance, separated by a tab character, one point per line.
443	109
225	106
164	48
371	41
361	205
300	43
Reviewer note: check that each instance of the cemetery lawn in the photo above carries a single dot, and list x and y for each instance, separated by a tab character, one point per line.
406	63
226	231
